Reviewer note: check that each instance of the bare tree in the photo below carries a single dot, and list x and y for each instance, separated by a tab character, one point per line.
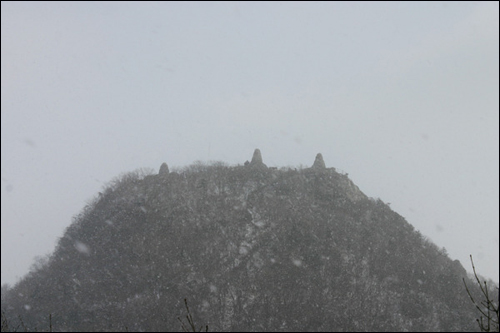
488	320
191	327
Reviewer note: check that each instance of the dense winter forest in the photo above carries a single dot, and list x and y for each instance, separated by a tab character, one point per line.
251	248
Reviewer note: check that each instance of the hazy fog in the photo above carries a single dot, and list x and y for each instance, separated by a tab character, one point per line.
402	96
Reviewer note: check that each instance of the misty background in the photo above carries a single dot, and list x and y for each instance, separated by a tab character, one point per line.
401	96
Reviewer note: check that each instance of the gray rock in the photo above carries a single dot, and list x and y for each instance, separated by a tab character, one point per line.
164	169
257	157
318	162
257	160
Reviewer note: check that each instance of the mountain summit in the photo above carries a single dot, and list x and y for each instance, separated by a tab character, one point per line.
257	160
252	249
318	162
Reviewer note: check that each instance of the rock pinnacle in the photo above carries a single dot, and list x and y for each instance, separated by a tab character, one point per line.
163	169
318	162
257	160
257	157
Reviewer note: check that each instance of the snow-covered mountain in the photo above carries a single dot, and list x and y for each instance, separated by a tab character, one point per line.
251	248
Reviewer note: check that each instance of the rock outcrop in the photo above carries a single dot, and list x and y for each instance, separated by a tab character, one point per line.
319	163
257	160
257	157
163	169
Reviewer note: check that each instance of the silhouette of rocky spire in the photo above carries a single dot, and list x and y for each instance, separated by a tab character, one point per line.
257	159
318	162
163	169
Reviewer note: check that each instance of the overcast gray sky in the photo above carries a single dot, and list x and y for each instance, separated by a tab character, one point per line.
402	96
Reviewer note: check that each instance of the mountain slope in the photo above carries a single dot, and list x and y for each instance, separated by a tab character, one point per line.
252	248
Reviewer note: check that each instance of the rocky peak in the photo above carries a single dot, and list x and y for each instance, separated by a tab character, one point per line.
257	159
319	163
163	169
